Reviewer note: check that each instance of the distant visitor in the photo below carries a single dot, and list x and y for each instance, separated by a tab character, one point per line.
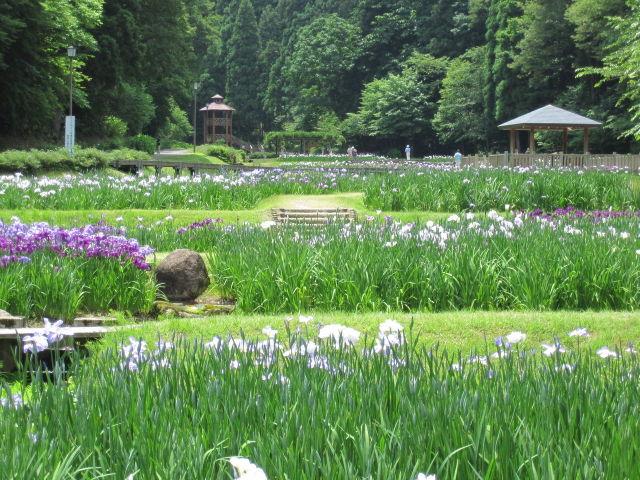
352	152
407	152
457	157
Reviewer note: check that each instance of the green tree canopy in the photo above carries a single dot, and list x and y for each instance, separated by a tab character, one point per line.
373	66
400	107
545	50
34	68
318	72
176	126
243	74
459	117
622	63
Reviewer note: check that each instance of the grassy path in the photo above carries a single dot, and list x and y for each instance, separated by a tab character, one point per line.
184	217
188	156
453	331
66	218
353	200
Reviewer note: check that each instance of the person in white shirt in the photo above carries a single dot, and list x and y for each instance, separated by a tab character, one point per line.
407	151
457	157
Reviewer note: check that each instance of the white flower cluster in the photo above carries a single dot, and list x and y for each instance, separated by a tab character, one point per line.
244	469
43	338
136	353
390	335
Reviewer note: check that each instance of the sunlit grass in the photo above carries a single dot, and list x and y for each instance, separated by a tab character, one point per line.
181	218
453	331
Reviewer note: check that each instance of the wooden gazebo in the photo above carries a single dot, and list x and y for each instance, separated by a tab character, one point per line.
548	118
217	121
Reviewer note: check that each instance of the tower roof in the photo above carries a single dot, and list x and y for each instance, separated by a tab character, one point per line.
217	103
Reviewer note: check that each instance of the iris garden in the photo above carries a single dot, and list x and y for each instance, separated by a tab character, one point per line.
343	382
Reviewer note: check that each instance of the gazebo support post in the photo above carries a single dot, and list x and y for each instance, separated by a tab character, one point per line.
565	135
532	140
512	141
586	141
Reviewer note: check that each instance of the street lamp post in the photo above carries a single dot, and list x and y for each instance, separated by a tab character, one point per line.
70	121
196	85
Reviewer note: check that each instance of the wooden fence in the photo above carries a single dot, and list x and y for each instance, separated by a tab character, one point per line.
555	160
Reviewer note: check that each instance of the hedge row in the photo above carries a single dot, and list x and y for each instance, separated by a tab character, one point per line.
306	140
225	153
300	136
83	158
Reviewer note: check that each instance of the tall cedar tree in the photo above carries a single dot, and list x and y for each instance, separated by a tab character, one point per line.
243	72
545	51
501	93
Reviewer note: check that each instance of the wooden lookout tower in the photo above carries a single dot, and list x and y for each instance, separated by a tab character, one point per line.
217	121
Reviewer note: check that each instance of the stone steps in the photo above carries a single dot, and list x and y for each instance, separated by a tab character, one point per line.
312	216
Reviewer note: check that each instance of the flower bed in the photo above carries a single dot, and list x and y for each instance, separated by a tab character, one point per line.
465	263
326	404
50	271
432	188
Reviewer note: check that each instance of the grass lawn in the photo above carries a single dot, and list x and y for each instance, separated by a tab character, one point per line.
67	218
190	158
185	217
454	331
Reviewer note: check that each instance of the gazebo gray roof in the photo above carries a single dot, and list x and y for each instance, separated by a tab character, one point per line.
549	117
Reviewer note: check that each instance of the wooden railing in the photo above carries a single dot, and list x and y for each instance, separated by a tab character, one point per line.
193	167
554	160
629	162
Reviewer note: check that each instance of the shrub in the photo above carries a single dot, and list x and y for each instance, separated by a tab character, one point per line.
90	158
127	154
50	159
14	160
143	143
114	127
225	153
32	160
83	158
298	139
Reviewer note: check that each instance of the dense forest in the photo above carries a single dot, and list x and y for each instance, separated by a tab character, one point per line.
438	74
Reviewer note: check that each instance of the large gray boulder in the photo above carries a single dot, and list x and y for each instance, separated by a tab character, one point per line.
183	276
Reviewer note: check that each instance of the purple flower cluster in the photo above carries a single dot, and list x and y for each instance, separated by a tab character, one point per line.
198	225
572	212
19	240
